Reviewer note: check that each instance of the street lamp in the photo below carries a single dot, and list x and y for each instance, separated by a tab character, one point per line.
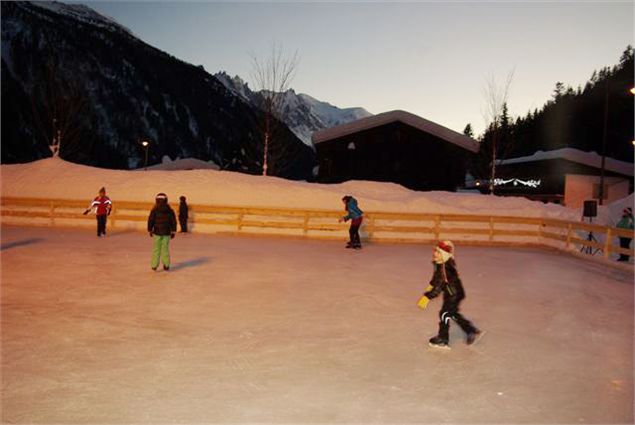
146	145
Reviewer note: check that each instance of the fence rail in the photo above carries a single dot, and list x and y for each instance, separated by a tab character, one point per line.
315	223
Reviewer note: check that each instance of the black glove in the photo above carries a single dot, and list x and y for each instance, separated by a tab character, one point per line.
86	212
172	235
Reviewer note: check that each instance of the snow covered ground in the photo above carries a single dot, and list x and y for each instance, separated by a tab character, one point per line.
55	178
297	331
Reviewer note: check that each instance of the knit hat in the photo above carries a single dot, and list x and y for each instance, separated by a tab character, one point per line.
161	197
102	189
445	249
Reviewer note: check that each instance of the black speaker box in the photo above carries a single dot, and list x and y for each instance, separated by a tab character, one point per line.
590	208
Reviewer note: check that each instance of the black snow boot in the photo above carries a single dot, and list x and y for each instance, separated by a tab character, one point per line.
443	337
438	341
473	336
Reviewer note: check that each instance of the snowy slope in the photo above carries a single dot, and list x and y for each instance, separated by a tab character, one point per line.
85	14
182	164
303	114
55	178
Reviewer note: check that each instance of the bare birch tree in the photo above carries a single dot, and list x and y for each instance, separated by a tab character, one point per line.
272	76
57	106
496	94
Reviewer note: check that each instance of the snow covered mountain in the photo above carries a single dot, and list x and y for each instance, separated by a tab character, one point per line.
82	13
68	69
303	114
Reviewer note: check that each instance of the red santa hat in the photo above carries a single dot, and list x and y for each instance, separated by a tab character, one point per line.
445	249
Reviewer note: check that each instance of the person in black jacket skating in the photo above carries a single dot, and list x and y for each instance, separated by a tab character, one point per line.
183	214
162	228
446	279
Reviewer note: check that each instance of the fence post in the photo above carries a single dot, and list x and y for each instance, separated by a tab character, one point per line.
491	228
240	220
437	224
52	212
113	220
306	223
608	243
371	227
569	230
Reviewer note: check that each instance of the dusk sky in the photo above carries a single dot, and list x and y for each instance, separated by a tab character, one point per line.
429	58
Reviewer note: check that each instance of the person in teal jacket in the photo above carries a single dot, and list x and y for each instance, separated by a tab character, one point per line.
356	216
626	222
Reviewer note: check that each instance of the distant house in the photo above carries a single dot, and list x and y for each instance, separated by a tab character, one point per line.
397	147
566	176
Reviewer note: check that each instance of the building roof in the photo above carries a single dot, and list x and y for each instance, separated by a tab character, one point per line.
407	118
591	159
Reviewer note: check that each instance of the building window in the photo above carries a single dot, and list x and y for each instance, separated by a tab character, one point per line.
596	191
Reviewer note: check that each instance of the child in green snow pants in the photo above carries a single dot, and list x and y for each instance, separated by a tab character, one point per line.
160	251
162	227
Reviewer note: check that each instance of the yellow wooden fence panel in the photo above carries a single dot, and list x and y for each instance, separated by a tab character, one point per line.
277	218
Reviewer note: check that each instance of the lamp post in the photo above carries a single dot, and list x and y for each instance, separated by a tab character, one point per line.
606	115
146	145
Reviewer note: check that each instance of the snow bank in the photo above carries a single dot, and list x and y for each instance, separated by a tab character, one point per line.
612	213
183	164
55	178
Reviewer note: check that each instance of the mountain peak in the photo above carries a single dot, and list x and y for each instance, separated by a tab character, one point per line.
79	12
303	113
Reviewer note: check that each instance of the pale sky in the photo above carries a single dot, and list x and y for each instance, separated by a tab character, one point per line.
429	58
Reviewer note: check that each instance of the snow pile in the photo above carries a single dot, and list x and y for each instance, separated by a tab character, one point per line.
612	213
183	164
55	178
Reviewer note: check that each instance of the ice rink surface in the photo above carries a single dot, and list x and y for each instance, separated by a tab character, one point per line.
264	330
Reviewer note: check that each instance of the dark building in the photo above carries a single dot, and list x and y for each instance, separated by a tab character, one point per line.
566	176
397	147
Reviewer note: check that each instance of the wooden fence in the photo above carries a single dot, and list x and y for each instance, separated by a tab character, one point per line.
314	223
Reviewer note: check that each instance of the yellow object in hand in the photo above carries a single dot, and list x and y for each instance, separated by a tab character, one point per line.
429	288
423	302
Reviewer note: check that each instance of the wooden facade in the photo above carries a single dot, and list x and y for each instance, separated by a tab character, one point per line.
394	149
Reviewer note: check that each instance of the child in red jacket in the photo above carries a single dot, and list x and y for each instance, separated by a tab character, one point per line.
446	279
102	205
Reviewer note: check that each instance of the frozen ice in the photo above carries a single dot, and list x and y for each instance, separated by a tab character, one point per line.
245	329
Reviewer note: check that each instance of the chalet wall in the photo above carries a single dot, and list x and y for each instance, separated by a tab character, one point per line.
394	153
579	188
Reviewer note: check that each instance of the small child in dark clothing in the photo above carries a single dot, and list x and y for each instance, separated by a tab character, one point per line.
446	279
183	214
